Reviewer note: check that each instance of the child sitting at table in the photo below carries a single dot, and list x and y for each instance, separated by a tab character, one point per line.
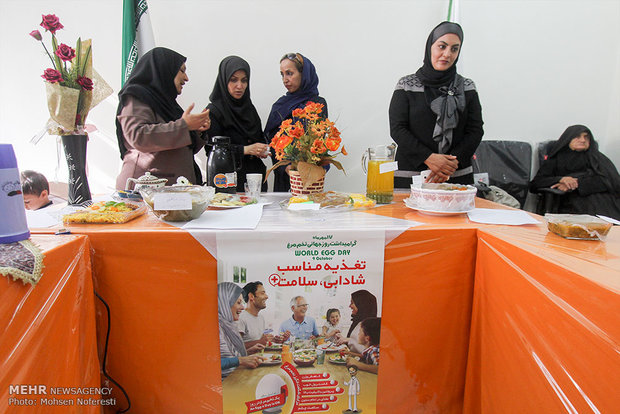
331	327
369	336
35	190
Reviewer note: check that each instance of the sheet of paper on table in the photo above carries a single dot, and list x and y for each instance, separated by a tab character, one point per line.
42	218
508	217
246	217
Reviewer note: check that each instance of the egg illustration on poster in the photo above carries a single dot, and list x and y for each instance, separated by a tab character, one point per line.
272	385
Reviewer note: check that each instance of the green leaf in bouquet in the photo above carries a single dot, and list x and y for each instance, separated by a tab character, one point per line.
86	61
78	52
56	58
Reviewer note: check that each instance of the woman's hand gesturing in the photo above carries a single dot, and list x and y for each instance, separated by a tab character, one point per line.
197	122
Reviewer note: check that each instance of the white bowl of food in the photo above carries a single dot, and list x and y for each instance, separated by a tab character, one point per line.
443	197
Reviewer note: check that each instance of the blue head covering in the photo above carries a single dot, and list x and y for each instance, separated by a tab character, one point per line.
308	90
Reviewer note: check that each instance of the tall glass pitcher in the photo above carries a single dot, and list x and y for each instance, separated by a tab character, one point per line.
380	172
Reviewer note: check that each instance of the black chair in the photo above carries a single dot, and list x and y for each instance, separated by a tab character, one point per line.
548	198
508	164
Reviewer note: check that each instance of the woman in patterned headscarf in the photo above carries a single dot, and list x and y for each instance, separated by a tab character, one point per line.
232	350
302	84
435	115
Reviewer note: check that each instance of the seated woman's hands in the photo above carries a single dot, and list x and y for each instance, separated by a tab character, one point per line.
566	184
442	166
258	149
250	361
197	122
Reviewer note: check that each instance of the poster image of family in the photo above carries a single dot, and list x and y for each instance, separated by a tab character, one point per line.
300	322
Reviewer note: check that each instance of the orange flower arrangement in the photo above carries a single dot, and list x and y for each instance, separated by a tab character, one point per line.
307	143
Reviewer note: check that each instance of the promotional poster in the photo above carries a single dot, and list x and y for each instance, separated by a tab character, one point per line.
304	335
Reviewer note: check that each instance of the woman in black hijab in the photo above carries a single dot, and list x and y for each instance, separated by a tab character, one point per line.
233	115
154	133
435	115
589	179
363	305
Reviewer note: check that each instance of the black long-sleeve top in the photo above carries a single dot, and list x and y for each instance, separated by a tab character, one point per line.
412	123
248	164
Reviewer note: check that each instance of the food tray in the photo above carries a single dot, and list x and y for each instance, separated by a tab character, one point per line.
578	226
95	214
329	202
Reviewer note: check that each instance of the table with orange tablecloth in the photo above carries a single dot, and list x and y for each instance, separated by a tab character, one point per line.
160	283
47	333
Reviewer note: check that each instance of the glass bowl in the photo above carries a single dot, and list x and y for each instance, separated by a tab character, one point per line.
178	202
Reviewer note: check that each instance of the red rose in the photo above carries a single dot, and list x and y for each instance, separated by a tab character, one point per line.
64	52
52	76
85	83
51	23
36	34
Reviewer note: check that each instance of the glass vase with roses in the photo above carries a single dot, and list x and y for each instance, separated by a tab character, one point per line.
308	143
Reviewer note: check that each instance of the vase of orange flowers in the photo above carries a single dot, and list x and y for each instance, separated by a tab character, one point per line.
73	88
308	143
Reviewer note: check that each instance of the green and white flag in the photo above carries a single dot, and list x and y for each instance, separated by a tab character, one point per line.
453	11
137	34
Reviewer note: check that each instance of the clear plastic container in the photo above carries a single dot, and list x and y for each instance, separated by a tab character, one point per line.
578	226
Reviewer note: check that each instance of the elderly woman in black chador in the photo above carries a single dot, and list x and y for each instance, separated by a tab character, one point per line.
435	114
589	179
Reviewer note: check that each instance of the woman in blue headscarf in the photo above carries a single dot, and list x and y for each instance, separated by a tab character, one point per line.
301	81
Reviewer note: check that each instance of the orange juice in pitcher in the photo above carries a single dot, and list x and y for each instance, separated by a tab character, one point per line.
380	173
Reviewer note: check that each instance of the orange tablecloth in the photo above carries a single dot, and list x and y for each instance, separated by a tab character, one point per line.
160	284
47	331
545	333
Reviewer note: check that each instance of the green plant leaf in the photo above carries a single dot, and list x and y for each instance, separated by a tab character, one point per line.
56	58
78	52
86	57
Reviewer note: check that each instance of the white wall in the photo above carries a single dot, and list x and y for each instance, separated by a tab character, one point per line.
539	65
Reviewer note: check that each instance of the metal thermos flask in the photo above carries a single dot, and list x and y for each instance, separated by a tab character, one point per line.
221	171
13	226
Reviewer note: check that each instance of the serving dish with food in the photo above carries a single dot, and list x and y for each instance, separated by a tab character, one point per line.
178	202
578	226
106	212
330	347
337	359
330	201
271	359
224	201
304	357
442	198
272	346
